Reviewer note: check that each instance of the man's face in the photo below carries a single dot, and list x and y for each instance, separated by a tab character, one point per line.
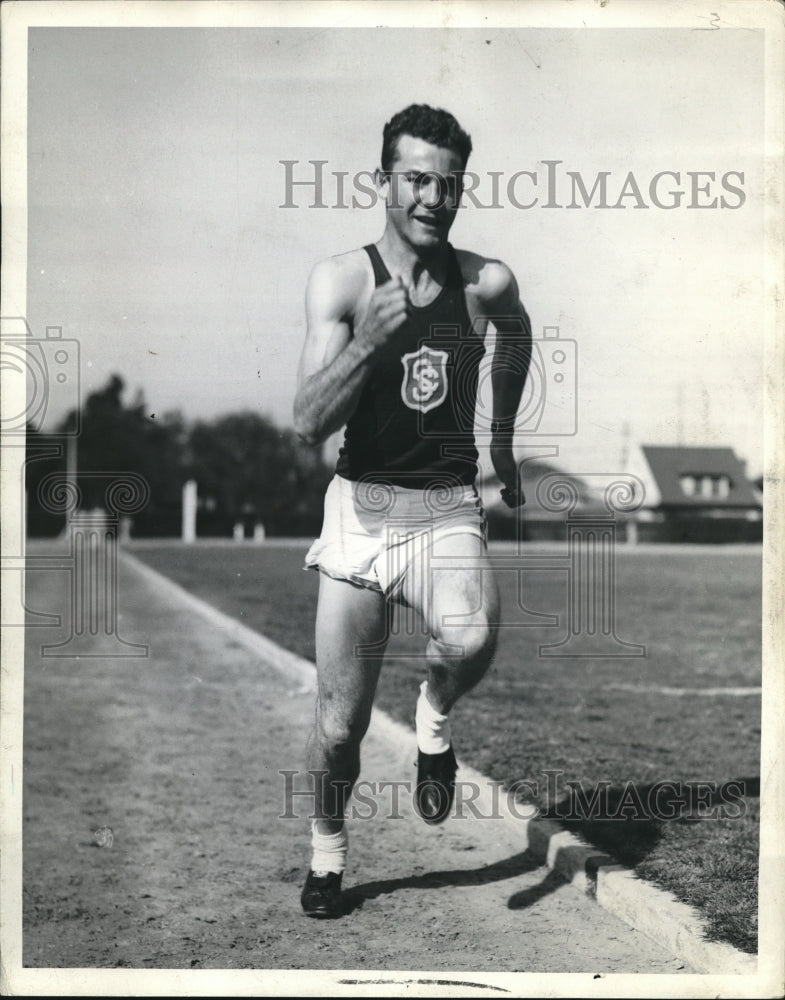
422	191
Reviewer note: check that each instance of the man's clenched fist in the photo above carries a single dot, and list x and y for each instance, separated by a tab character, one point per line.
387	311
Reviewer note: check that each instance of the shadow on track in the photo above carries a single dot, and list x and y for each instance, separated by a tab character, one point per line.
518	864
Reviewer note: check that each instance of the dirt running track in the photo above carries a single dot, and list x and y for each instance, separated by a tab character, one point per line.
179	754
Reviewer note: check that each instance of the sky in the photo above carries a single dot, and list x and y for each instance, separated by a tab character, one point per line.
157	240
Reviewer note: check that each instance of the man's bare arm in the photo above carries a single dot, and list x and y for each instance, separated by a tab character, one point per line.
510	367
335	364
511	358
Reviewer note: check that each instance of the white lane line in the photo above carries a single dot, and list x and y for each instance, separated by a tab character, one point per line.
678	692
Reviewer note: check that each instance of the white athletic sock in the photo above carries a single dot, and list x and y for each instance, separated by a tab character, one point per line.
433	729
329	850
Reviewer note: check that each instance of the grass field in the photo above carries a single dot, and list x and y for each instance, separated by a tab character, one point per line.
686	713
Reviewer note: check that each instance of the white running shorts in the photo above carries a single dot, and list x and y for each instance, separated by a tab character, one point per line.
372	531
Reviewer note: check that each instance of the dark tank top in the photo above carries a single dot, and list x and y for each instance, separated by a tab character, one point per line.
414	422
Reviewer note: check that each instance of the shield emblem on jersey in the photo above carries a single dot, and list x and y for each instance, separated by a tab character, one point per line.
424	385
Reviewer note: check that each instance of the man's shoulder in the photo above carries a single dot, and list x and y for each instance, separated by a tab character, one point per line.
486	278
340	279
352	265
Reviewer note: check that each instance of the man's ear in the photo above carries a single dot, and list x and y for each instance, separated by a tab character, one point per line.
388	185
382	181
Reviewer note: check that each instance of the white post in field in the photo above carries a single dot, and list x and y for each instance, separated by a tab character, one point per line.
189	511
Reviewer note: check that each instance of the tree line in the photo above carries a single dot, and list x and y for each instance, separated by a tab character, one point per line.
247	469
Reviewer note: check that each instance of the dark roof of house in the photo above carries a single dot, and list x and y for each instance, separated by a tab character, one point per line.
669	464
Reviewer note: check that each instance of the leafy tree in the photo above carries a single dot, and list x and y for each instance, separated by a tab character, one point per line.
45	455
246	468
251	471
115	439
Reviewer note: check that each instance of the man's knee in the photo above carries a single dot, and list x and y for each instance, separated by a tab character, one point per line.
474	643
337	729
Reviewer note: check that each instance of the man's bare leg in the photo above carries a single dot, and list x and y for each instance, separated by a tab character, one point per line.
459	600
347	617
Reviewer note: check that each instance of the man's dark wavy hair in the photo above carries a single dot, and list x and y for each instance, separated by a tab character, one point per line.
421	121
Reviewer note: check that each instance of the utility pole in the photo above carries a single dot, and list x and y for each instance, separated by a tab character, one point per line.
680	414
625	445
70	475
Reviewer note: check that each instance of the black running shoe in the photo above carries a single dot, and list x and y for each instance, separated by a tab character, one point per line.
321	895
435	791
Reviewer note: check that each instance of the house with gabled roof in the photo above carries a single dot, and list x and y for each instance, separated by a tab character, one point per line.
688	494
699	494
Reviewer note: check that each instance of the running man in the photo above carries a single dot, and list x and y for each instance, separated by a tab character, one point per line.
395	335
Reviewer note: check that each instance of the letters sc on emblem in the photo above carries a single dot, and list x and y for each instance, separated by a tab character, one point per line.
424	385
